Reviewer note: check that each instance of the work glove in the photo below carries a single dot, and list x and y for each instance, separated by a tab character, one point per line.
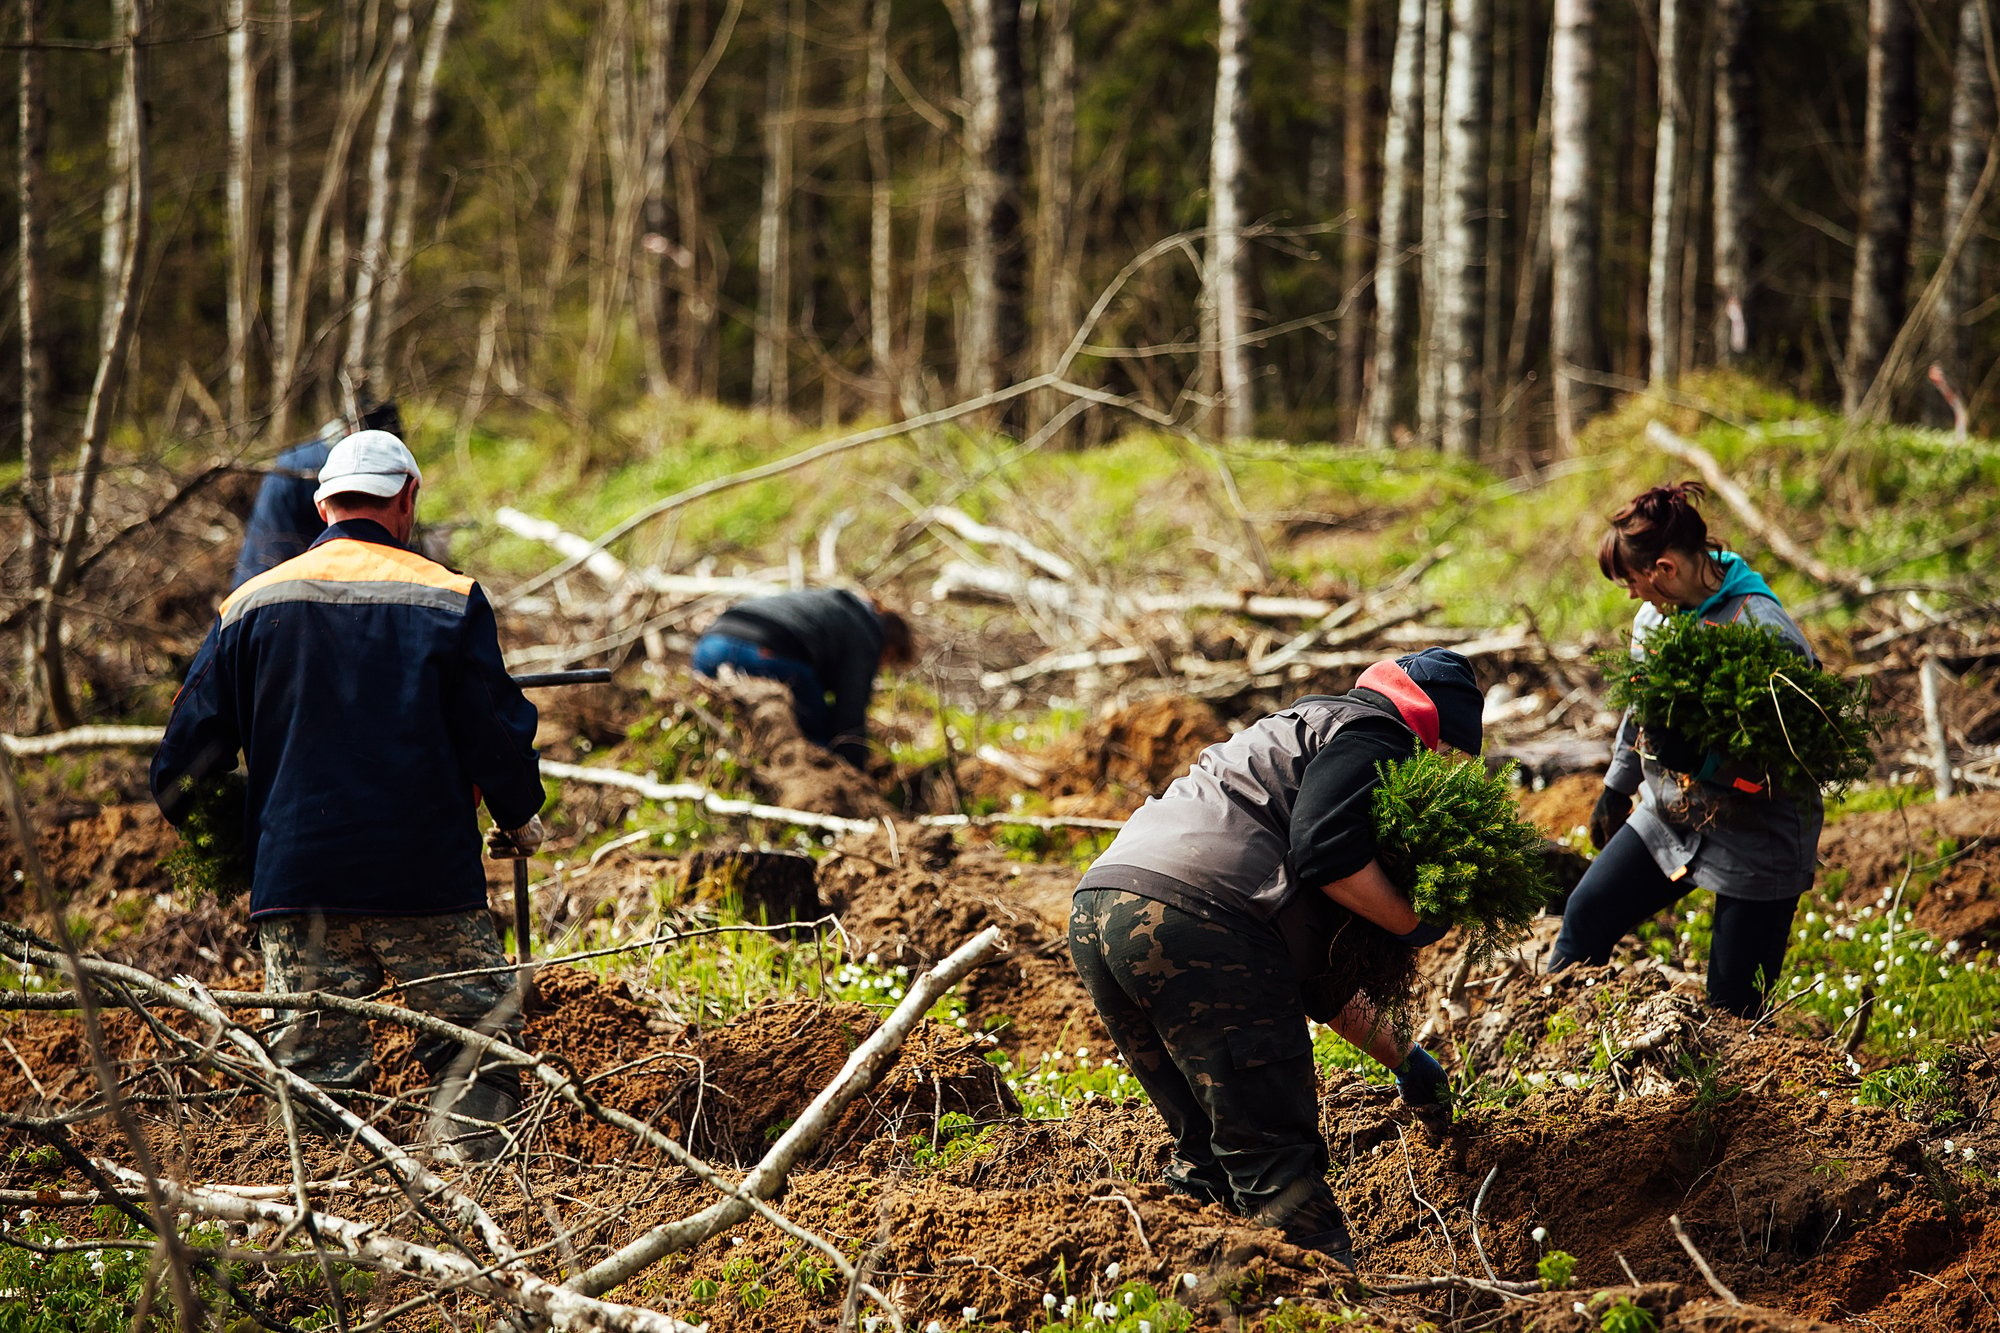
1613	808
515	843
1673	750
1421	1081
1421	934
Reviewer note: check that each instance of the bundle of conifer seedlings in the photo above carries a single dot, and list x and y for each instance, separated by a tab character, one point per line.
1450	835
212	860
1743	693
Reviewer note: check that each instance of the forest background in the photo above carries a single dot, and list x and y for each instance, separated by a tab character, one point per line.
1443	224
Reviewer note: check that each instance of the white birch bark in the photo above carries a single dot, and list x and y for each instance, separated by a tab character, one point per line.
402	233
37	483
881	222
1972	117
1392	280
1662	305
1225	227
1462	187
1437	27
236	204
1573	228
1734	150
1056	294
770	368
375	223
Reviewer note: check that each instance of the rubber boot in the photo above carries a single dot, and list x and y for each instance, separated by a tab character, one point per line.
454	1130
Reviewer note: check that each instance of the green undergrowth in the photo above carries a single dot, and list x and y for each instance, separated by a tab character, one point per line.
1151	508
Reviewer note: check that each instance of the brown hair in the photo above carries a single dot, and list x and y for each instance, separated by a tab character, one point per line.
1655	522
899	646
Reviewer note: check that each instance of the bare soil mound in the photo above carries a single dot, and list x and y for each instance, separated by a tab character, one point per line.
1949	850
1109	768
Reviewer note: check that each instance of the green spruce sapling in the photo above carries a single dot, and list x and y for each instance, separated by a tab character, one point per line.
212	861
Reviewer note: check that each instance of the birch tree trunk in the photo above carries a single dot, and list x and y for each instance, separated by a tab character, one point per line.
1225	227
770	371
1735	165
996	146
1437	26
1662	306
1575	342
1468	101
284	99
1392	285
653	296
37	483
1882	252
402	234
236	300
881	193
375	223
1357	131
1056	295
1972	117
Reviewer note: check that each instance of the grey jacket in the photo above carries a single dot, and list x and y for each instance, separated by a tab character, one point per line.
1220	835
1756	847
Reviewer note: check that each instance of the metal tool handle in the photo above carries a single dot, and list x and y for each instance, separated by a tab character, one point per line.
523	952
585	676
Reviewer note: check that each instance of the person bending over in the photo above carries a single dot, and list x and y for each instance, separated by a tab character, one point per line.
1245	899
1700	820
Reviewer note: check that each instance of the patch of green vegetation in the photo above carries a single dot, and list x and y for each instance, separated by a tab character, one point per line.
959	1138
211	860
1556	1269
1131	1307
1060	1082
1919	1092
1622	1316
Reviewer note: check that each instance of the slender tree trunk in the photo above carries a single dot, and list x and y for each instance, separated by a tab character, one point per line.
1326	100
1972	117
283	112
402	235
881	191
653	295
236	300
1437	31
1358	131
770	375
1504	126
1882	254
1468	104
1688	219
996	146
37	482
1662	307
375	224
1735	167
1225	227
105	387
1055	274
1575	342
1392	285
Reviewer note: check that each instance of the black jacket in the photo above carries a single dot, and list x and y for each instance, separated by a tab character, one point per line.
835	633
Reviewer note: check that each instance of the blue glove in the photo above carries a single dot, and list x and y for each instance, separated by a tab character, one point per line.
1421	1081
1423	933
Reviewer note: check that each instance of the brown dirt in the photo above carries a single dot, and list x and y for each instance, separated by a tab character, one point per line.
1958	899
1109	768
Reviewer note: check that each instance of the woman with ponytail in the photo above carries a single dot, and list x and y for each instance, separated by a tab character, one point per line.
1699	821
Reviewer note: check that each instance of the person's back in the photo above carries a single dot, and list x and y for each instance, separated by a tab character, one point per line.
283	522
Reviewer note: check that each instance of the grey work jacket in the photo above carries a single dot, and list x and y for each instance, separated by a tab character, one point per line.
1220	835
1757	847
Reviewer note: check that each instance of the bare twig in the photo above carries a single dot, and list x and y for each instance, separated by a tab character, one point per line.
1114	1196
1707	1273
1477	1245
1411	1176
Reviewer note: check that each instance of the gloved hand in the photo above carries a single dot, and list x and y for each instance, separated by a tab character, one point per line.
1424	933
1421	1081
514	844
1674	750
1613	808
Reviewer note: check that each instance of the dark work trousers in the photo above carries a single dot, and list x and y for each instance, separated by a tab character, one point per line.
1624	886
1208	1016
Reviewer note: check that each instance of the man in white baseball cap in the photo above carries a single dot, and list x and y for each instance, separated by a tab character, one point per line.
363	684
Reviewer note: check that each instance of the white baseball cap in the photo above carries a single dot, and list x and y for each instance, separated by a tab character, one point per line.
372	462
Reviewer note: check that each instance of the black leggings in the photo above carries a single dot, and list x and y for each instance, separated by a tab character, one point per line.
1623	887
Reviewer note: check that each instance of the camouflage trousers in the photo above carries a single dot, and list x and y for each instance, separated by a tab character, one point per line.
355	955
1209	1018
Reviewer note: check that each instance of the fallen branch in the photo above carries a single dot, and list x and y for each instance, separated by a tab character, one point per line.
1416	1286
80	738
614	573
1477	1200
863	1067
365	1244
1707	1273
971	529
1753	518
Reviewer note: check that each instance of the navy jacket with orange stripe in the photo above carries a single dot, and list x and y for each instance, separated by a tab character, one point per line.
364	686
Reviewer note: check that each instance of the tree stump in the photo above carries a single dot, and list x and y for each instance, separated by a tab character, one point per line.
768	887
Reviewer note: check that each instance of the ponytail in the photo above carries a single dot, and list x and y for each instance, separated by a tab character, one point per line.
1655	522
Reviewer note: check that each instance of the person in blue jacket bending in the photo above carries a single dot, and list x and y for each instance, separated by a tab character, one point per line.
826	644
363	685
1702	819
